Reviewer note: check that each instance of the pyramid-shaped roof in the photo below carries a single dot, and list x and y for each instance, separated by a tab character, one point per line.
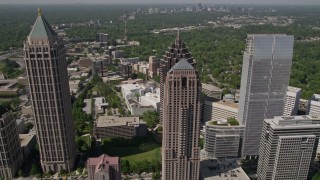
42	28
183	64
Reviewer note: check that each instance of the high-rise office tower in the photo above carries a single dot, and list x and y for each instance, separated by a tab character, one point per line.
314	105
10	156
154	65
291	105
174	54
102	38
181	121
49	89
265	77
288	147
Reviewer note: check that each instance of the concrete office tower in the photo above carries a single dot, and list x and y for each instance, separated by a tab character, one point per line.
49	89
154	65
222	138
11	157
291	105
314	105
288	147
265	77
181	121
174	54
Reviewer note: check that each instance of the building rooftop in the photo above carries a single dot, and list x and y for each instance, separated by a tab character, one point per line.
210	87
228	103
109	121
103	158
182	65
294	121
42	28
224	122
25	139
209	170
293	89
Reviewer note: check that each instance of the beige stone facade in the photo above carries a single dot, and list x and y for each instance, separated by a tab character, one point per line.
49	90
181	121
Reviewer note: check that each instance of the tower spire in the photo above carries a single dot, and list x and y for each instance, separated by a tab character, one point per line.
39	11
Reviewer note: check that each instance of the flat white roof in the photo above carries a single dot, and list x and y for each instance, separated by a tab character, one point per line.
108	121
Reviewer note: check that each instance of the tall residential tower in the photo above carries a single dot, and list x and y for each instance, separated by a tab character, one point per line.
265	77
181	121
49	89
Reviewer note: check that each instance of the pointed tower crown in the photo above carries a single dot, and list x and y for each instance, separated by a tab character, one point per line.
41	28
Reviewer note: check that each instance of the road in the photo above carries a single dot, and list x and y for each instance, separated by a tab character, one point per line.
8	55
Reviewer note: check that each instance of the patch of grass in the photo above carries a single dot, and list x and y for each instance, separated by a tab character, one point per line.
149	156
130	150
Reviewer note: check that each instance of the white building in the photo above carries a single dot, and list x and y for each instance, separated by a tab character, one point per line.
314	105
291	105
222	139
287	147
140	98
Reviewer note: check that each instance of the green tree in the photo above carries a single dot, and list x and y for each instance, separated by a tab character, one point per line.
151	118
20	173
156	175
35	169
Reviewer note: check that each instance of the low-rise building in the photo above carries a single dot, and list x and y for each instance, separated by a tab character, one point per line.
222	138
100	105
28	143
140	98
117	54
212	169
123	127
74	86
218	110
8	88
104	167
26	108
212	91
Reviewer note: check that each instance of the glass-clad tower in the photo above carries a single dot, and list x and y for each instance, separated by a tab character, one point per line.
265	77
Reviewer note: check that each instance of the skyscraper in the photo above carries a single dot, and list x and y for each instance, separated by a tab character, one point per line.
265	76
10	157
181	121
288	147
174	54
49	89
291	105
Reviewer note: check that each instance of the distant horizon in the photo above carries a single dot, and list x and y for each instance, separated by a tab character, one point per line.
163	2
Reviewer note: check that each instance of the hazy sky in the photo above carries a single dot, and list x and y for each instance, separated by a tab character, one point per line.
289	2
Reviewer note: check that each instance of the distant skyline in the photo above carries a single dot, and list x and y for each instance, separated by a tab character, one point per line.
269	2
